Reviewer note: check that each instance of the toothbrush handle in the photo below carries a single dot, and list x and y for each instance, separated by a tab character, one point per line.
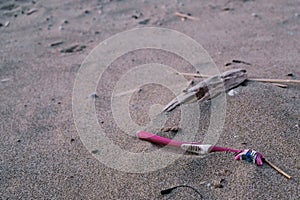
143	135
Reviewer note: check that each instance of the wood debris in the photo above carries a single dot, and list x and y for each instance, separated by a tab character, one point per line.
185	16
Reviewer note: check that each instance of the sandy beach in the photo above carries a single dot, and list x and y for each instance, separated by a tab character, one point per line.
42	47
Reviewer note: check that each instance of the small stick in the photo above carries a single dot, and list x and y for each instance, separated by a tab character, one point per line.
280	85
273	80
277	168
191	74
249	79
178	14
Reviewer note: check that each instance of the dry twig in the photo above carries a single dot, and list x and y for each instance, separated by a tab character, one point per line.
185	16
277	168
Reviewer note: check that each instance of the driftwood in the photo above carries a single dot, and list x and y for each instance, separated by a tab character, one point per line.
209	88
264	80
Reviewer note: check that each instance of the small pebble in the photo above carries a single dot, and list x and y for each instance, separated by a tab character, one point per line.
232	92
94	95
95	151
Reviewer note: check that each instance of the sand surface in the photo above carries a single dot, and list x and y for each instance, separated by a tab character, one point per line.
41	153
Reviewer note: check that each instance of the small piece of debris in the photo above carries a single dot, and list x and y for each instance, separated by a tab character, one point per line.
290	74
73	49
56	43
280	85
185	16
175	128
240	61
227	64
134	17
5	80
31	11
95	151
94	95
169	190
167	129
232	92
72	140
244	143
18	140
218	183
87	12
227	9
6	24
137	15
144	22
